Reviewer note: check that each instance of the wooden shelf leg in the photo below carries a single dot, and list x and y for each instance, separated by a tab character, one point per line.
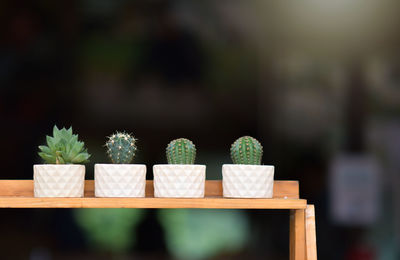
311	241
297	234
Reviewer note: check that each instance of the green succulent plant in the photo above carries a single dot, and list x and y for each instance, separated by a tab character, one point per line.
246	150
121	148
181	151
63	148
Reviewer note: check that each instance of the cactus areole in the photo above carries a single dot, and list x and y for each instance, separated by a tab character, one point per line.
181	151
121	148
246	150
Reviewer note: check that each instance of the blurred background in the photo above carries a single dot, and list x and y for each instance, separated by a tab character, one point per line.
317	82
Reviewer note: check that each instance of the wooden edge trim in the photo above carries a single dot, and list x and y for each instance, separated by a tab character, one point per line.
24	188
311	240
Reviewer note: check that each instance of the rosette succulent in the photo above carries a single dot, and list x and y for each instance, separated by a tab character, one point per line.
63	148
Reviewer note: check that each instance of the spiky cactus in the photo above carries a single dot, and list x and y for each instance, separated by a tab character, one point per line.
246	150
181	151
63	148
121	148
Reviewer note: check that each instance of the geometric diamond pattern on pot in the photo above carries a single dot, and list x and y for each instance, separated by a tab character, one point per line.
247	181
120	180
179	180
62	180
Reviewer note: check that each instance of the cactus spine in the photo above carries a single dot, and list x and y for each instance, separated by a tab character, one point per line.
181	151
121	148
246	150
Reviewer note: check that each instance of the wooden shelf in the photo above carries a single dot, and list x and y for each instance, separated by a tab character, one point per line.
208	202
19	194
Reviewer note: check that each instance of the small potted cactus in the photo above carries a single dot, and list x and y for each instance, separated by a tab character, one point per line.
63	174
247	178
180	178
121	178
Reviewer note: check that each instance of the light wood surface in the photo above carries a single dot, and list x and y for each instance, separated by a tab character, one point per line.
311	241
19	194
297	235
208	202
24	188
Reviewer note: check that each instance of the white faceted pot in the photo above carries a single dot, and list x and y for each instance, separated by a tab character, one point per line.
247	181
58	180
119	180
179	180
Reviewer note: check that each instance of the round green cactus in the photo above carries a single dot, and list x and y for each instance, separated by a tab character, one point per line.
181	151
121	148
246	150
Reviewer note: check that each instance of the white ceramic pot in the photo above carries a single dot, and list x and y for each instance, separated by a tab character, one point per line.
247	181
58	180
119	180
179	180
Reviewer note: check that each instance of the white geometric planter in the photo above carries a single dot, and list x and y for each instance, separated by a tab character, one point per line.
179	180
58	180
119	180
247	181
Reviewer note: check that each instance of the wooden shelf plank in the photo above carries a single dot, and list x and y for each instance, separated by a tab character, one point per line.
208	202
24	188
19	194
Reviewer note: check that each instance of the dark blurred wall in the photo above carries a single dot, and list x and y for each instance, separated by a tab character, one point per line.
306	78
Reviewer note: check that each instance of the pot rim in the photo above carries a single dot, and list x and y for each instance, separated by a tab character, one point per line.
63	165
250	165
121	164
174	165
